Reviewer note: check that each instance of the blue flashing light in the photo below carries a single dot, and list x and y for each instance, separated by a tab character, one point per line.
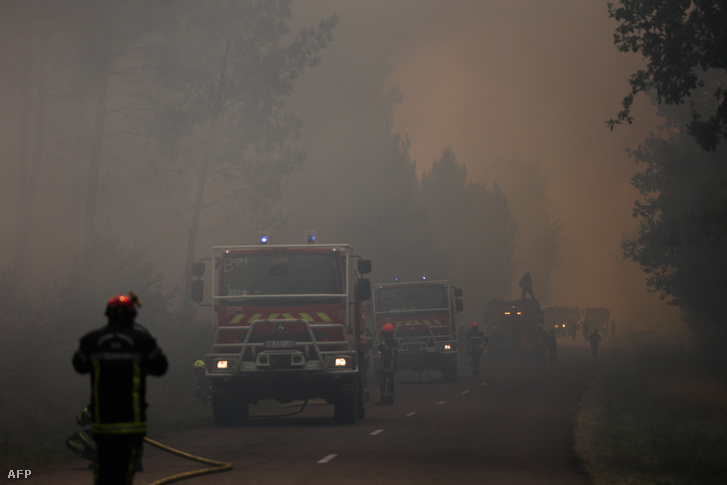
424	277
263	238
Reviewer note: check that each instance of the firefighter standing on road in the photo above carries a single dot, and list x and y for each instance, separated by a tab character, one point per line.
595	340
476	342
387	364
118	357
367	342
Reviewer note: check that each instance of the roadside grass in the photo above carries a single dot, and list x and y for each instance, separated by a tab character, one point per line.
654	415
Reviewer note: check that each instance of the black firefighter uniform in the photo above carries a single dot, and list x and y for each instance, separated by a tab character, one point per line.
118	359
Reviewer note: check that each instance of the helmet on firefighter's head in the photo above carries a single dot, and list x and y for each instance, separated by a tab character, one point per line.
121	306
388	328
199	364
474	325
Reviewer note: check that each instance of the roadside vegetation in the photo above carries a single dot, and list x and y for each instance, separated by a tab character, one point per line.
655	414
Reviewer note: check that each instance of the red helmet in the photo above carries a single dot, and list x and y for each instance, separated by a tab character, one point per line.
121	305
388	328
474	324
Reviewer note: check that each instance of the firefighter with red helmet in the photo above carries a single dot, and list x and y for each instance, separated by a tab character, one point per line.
476	342
389	350
118	358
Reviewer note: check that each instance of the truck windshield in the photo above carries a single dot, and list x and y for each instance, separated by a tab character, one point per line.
286	273
411	298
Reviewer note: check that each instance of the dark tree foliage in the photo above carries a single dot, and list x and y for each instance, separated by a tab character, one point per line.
682	240
681	40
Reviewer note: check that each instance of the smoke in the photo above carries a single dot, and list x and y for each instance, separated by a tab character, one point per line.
497	80
493	79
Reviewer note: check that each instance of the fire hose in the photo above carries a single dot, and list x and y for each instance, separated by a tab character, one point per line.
217	466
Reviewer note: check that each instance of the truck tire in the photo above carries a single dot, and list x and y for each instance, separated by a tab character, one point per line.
450	372
361	398
345	407
229	409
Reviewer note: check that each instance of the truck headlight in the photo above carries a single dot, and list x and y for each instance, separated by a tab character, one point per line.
341	362
447	346
222	364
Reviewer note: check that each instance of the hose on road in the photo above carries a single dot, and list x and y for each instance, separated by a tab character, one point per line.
217	466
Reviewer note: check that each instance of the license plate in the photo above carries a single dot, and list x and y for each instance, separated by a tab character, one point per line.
279	344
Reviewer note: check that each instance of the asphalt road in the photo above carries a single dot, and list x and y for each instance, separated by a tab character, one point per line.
511	426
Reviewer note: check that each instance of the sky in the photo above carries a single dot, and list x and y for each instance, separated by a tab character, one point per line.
496	79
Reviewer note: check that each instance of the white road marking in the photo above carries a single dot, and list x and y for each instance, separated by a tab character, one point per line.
442	402
411	413
374	433
483	384
327	458
465	392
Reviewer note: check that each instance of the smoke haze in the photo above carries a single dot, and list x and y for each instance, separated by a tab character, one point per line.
495	81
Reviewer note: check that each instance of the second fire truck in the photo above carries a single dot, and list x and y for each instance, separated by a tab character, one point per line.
422	312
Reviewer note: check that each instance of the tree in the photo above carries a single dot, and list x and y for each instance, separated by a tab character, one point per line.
537	241
219	113
681	243
473	230
681	41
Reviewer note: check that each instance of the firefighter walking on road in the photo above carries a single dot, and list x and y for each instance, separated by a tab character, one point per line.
476	342
595	340
118	357
389	351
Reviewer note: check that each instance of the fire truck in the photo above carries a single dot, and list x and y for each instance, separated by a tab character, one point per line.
287	321
514	327
561	319
422	312
596	318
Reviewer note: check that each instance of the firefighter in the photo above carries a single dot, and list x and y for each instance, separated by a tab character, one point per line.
595	340
202	390
552	343
387	364
526	283
476	342
462	344
118	358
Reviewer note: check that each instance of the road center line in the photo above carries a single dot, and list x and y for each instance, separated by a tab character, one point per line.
411	413
465	392
441	402
327	458
483	384
374	433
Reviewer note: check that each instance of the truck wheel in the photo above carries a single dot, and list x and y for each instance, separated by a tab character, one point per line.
450	372
361	398
345	407
228	409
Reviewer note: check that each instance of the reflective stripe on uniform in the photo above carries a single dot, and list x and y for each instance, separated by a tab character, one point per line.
120	428
116	356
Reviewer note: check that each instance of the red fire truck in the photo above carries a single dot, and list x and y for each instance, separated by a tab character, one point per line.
287	325
422	312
